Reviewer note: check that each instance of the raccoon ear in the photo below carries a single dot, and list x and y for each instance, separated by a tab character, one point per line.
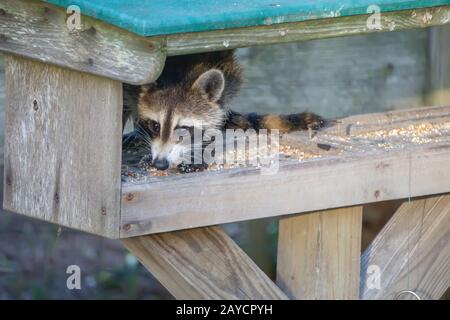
147	89
210	84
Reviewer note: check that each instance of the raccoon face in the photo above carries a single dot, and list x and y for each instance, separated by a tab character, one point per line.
171	115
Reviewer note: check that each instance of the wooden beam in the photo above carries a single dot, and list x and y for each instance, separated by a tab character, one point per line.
411	252
438	91
185	43
318	254
202	263
371	158
63	146
39	30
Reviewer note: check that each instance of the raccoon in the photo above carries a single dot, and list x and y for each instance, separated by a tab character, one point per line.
194	90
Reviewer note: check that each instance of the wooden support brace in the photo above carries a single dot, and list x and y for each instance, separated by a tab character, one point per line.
202	263
410	253
318	254
63	146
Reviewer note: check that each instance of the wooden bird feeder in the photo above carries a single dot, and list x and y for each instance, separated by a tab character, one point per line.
63	151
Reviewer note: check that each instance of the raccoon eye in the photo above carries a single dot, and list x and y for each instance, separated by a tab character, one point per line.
153	126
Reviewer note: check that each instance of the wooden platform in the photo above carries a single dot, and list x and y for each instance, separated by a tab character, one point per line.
55	170
362	159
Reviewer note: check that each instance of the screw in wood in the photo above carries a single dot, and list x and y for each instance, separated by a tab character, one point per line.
377	194
35	105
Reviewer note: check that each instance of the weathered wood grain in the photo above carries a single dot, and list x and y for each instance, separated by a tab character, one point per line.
348	174
202	263
336	77
63	146
319	254
162	17
38	30
299	31
411	252
438	91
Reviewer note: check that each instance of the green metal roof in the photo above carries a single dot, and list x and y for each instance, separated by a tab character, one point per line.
159	17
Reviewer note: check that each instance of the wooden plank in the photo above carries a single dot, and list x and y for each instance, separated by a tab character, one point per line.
185	43
438	92
372	158
202	263
318	254
38	30
63	146
382	59
411	252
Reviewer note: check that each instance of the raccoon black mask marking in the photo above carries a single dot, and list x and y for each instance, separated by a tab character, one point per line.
193	91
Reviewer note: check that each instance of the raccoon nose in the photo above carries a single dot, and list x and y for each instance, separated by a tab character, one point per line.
161	164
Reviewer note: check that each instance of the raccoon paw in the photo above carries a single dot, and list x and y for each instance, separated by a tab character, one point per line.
145	160
307	120
188	168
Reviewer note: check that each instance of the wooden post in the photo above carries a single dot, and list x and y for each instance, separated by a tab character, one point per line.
318	254
202	263
410	253
438	66
63	146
